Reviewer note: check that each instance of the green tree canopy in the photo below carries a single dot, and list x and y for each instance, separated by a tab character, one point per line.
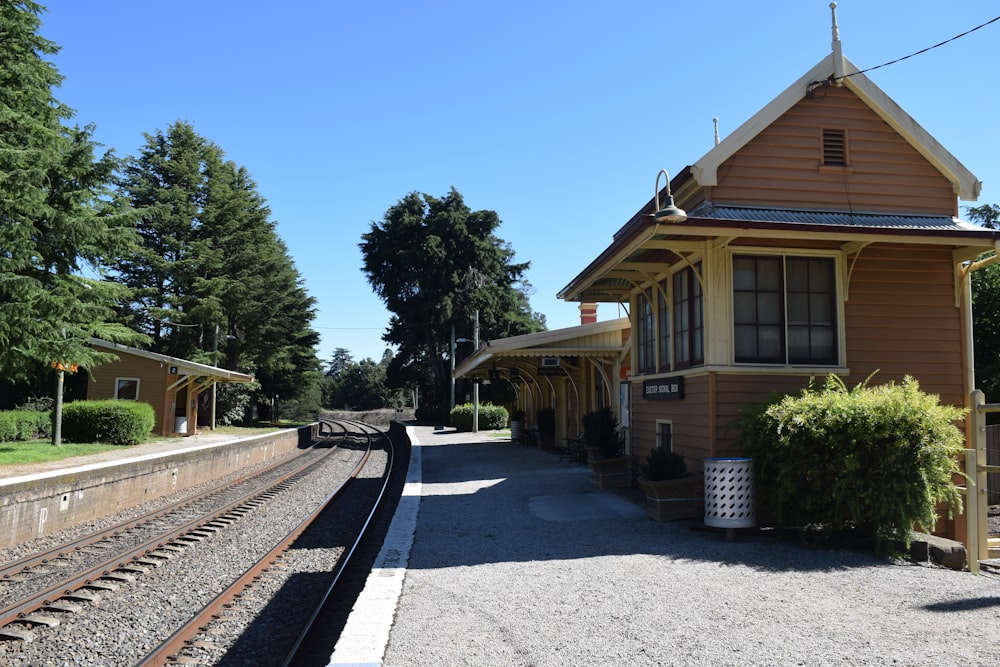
56	224
213	280
986	312
434	262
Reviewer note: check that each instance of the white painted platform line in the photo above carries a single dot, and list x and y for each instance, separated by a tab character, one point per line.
366	633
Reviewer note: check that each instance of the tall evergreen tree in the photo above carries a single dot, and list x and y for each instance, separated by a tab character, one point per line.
55	219
216	283
435	263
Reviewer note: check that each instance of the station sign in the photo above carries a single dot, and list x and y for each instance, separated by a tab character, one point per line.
663	389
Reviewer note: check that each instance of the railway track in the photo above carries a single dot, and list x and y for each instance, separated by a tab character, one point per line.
71	586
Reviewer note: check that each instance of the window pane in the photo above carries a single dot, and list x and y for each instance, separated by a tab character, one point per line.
769	308
127	390
744	308
744	274
746	342
769	275
769	344
798	309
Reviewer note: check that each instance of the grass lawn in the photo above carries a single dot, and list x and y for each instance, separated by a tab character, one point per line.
40	451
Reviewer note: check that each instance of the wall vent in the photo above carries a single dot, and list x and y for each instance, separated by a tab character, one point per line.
835	148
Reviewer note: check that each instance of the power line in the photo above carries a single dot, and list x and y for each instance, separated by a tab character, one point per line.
917	53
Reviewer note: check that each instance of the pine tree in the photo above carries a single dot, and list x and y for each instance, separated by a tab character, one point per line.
215	281
55	217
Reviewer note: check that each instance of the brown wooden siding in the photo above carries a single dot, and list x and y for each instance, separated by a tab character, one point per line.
901	319
781	166
689	417
152	385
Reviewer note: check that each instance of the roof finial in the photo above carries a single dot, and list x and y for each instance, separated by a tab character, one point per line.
716	122
838	51
836	29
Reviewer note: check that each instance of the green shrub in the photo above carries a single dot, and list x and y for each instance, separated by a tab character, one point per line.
113	422
21	425
662	464
870	461
491	417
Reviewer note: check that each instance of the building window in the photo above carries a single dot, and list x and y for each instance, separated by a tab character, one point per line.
645	334
784	310
665	434
127	389
689	319
834	148
663	326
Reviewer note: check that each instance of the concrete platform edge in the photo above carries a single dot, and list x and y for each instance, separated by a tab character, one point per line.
366	633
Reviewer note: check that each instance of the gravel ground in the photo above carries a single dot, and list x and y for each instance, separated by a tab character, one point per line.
496	577
124	625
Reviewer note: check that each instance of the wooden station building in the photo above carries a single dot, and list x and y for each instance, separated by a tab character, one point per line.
822	236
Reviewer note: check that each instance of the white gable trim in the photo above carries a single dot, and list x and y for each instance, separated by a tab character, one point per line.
964	183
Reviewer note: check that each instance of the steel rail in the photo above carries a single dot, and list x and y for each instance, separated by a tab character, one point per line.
162	654
8	570
345	560
17	611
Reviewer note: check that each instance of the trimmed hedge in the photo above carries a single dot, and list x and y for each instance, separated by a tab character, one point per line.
491	417
114	422
872	462
21	425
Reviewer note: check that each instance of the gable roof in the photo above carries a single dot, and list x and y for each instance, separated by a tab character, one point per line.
184	367
964	183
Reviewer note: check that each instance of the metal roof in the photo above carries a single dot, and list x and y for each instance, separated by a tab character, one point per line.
868	220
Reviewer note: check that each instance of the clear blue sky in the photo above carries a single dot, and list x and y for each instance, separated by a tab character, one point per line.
556	115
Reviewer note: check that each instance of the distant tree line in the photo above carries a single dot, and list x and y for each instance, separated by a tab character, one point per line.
173	249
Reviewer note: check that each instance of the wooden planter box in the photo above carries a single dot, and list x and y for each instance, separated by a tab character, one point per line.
613	473
673	499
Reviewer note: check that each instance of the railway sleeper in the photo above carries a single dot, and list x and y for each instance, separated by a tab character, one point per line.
102	585
64	606
21	634
81	595
35	618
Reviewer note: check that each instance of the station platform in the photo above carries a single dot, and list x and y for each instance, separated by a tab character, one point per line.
501	554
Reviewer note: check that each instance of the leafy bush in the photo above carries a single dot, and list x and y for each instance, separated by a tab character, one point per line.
21	425
600	429
491	417
661	464
869	461
114	422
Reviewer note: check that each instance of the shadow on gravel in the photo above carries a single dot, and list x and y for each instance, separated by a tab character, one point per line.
971	604
475	509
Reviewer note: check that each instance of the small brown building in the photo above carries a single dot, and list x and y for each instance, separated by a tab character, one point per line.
171	385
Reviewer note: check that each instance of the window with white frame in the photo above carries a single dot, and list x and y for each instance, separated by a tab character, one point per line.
665	434
689	319
663	325
645	334
785	310
127	389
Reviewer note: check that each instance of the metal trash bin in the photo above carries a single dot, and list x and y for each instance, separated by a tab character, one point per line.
729	493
